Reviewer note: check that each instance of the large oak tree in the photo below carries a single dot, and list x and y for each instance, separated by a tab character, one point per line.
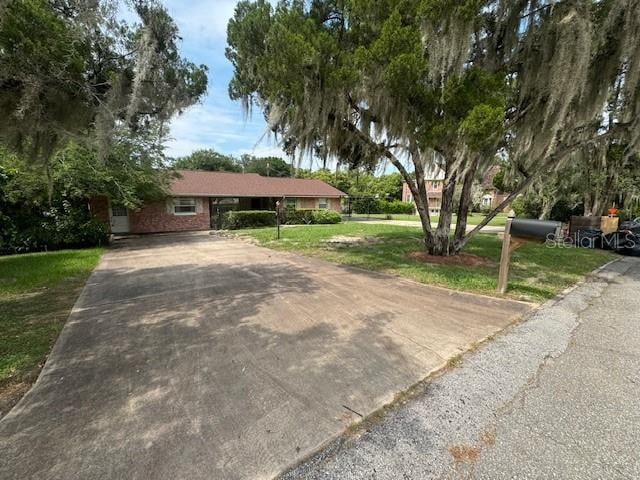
446	82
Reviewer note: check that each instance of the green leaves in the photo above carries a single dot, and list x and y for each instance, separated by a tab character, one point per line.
74	71
482	126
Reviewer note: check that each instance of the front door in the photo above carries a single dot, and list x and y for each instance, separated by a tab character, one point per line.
119	219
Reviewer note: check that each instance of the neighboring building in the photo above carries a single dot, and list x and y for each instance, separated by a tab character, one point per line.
198	199
491	196
434	181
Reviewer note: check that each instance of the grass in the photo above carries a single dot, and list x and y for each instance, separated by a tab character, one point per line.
537	272
37	292
473	219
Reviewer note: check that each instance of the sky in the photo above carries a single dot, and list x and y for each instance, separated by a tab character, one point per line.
217	122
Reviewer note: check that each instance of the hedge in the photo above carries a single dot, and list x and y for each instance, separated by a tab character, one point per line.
397	207
234	220
374	205
311	216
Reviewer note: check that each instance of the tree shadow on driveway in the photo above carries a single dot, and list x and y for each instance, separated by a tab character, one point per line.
225	368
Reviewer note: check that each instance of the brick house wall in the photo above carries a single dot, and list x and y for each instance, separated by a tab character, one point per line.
99	208
159	217
334	203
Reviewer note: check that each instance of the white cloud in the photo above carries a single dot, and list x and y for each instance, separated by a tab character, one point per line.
219	127
201	19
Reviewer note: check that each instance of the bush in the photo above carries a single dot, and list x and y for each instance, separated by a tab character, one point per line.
309	216
396	207
67	226
365	205
301	216
326	217
234	220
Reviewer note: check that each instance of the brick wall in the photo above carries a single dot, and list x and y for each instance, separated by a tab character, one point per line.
99	208
157	217
334	203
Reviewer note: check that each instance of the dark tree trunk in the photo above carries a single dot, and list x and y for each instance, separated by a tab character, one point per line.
441	240
422	201
464	207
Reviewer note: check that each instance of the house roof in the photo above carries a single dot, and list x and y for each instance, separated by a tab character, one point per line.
198	183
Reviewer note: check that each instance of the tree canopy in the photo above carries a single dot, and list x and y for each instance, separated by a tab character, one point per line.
448	82
208	160
72	72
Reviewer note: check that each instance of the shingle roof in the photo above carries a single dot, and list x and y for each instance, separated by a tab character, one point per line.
198	183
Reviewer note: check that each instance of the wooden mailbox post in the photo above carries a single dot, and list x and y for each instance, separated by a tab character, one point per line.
505	255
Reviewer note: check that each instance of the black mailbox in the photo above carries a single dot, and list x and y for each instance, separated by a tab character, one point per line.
534	229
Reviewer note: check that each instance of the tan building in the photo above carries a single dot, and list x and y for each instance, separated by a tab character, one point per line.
434	183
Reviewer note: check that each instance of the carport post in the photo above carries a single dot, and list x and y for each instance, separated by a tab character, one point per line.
278	218
505	256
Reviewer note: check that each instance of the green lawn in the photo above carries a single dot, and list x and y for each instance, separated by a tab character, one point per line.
37	292
537	271
473	218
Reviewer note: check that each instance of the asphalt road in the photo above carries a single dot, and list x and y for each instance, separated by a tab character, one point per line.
557	397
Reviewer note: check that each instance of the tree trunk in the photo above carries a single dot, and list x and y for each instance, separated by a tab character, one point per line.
49	183
421	199
464	207
588	205
441	238
547	206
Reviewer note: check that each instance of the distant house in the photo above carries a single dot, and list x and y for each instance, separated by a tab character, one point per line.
491	196
197	200
434	181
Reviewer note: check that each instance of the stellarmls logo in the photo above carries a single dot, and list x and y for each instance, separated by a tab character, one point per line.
615	241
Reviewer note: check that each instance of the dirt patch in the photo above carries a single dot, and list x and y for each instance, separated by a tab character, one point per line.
460	260
11	392
341	241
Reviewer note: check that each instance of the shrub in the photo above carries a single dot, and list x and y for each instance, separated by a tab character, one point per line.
396	207
234	220
309	216
326	217
365	205
300	216
66	226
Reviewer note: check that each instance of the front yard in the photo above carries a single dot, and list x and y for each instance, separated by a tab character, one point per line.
537	271
499	220
37	292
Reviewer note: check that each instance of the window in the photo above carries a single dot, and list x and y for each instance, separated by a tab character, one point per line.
291	202
184	206
323	203
118	211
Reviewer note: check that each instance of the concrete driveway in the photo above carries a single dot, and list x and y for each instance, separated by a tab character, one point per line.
193	357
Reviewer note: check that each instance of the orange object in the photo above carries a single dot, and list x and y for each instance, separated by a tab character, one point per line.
613	211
